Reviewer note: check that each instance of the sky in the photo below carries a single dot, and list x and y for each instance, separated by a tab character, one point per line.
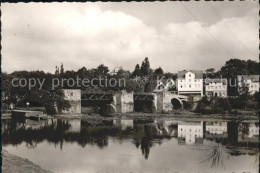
173	35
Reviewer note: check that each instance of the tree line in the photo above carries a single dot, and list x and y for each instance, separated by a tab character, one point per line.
134	81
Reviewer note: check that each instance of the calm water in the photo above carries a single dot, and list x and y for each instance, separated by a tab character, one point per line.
134	146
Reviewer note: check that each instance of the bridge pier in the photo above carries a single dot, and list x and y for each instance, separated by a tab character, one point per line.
124	101
164	101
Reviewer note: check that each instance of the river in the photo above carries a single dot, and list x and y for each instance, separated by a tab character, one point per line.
131	145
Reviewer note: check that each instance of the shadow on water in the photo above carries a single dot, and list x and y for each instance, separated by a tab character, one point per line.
212	137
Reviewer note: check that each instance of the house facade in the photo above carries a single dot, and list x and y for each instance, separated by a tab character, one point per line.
216	87
190	82
250	81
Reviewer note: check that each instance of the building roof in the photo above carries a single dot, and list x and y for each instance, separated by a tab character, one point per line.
216	80
253	78
198	73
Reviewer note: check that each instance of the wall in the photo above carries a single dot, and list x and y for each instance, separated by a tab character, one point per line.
167	104
160	102
74	97
126	101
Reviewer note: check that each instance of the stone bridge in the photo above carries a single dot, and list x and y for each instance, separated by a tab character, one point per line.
124	102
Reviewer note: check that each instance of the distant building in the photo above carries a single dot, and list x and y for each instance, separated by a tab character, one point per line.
190	133
115	70
164	85
74	97
190	82
250	81
216	87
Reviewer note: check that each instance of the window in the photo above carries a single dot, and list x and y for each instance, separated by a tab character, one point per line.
190	75
181	86
224	94
189	80
190	85
195	80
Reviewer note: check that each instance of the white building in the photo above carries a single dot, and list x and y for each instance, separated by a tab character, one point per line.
216	127
190	82
216	87
250	81
190	132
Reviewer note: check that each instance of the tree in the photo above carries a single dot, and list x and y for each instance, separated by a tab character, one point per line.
252	67
145	68
158	72
210	70
61	69
102	69
137	71
56	70
230	70
149	86
41	97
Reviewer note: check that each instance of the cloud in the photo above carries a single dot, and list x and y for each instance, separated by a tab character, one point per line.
41	36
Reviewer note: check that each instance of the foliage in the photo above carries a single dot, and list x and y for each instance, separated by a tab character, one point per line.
213	105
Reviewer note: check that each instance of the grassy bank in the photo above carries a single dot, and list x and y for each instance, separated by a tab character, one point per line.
12	163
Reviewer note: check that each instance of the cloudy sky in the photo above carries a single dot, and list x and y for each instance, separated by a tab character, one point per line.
173	35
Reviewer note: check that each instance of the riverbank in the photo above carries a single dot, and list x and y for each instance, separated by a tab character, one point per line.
178	114
12	163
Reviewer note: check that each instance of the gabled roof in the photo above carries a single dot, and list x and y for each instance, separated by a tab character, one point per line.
165	81
198	74
253	78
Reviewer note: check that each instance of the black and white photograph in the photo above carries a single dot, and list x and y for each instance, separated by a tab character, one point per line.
130	87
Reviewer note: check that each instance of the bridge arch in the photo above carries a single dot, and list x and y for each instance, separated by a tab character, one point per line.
176	103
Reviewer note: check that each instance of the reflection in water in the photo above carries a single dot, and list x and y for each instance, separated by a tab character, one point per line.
190	133
213	138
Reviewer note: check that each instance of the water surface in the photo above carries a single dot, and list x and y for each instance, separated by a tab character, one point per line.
131	145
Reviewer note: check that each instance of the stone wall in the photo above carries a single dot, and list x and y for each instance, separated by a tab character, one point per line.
127	102
159	102
74	97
